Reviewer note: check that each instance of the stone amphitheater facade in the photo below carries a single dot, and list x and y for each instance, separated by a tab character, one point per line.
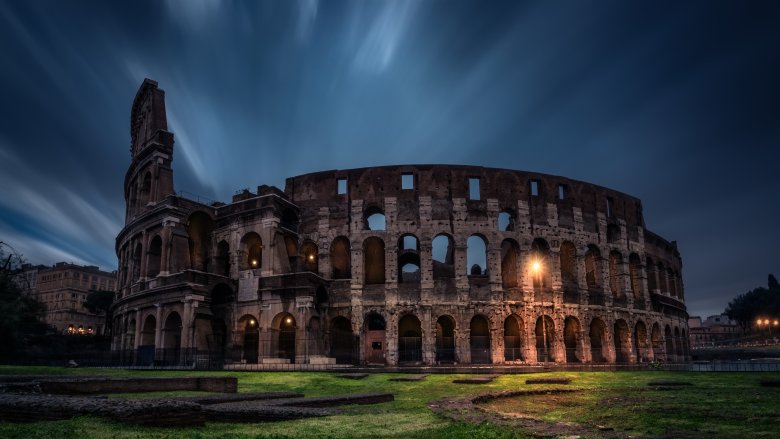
408	264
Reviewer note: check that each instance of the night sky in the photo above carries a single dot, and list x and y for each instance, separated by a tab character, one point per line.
676	103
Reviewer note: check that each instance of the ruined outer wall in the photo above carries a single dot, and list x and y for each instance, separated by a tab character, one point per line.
562	210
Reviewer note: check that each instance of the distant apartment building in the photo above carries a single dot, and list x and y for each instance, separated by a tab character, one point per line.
63	290
715	330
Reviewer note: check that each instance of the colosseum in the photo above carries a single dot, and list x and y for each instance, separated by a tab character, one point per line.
390	265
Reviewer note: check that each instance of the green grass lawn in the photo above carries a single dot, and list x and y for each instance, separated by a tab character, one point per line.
716	405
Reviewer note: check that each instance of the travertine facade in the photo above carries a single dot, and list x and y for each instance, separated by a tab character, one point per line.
395	264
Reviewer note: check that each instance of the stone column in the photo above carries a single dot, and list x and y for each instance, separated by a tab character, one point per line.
138	326
158	335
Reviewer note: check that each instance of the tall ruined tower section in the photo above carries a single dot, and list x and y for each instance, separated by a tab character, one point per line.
149	178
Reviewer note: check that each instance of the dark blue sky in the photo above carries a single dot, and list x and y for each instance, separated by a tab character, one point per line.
677	103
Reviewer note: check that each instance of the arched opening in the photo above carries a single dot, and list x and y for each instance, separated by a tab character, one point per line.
506	221
172	339
409	339
593	268
408	259
545	339
217	343
634	273
568	259
310	255
513	338
291	245
252	251
652	281
199	233
476	255
613	233
479	339
641	351
669	348
154	256
571	340
148	332
314	337
374	218
223	258
374	260
445	339
375	339
342	341
137	262
598	349
129	335
340	258
442	254
678	344
622	340
285	330
657	341
663	285
510	257
615	267
672	282
541	270
250	339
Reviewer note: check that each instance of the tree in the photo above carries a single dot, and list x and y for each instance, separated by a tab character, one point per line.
756	303
19	314
99	302
773	285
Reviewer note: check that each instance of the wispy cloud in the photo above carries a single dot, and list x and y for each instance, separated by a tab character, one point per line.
192	14
384	35
307	16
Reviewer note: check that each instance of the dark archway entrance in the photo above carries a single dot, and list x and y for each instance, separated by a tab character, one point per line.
480	340
622	342
251	341
571	340
513	339
640	342
545	339
597	333
445	340
409	339
172	339
286	347
342	341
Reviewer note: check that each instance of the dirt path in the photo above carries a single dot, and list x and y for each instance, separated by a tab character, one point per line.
469	410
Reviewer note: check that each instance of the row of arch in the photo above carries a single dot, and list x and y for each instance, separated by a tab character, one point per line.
251	249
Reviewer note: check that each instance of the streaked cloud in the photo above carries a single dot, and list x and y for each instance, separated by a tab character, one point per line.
384	35
673	103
